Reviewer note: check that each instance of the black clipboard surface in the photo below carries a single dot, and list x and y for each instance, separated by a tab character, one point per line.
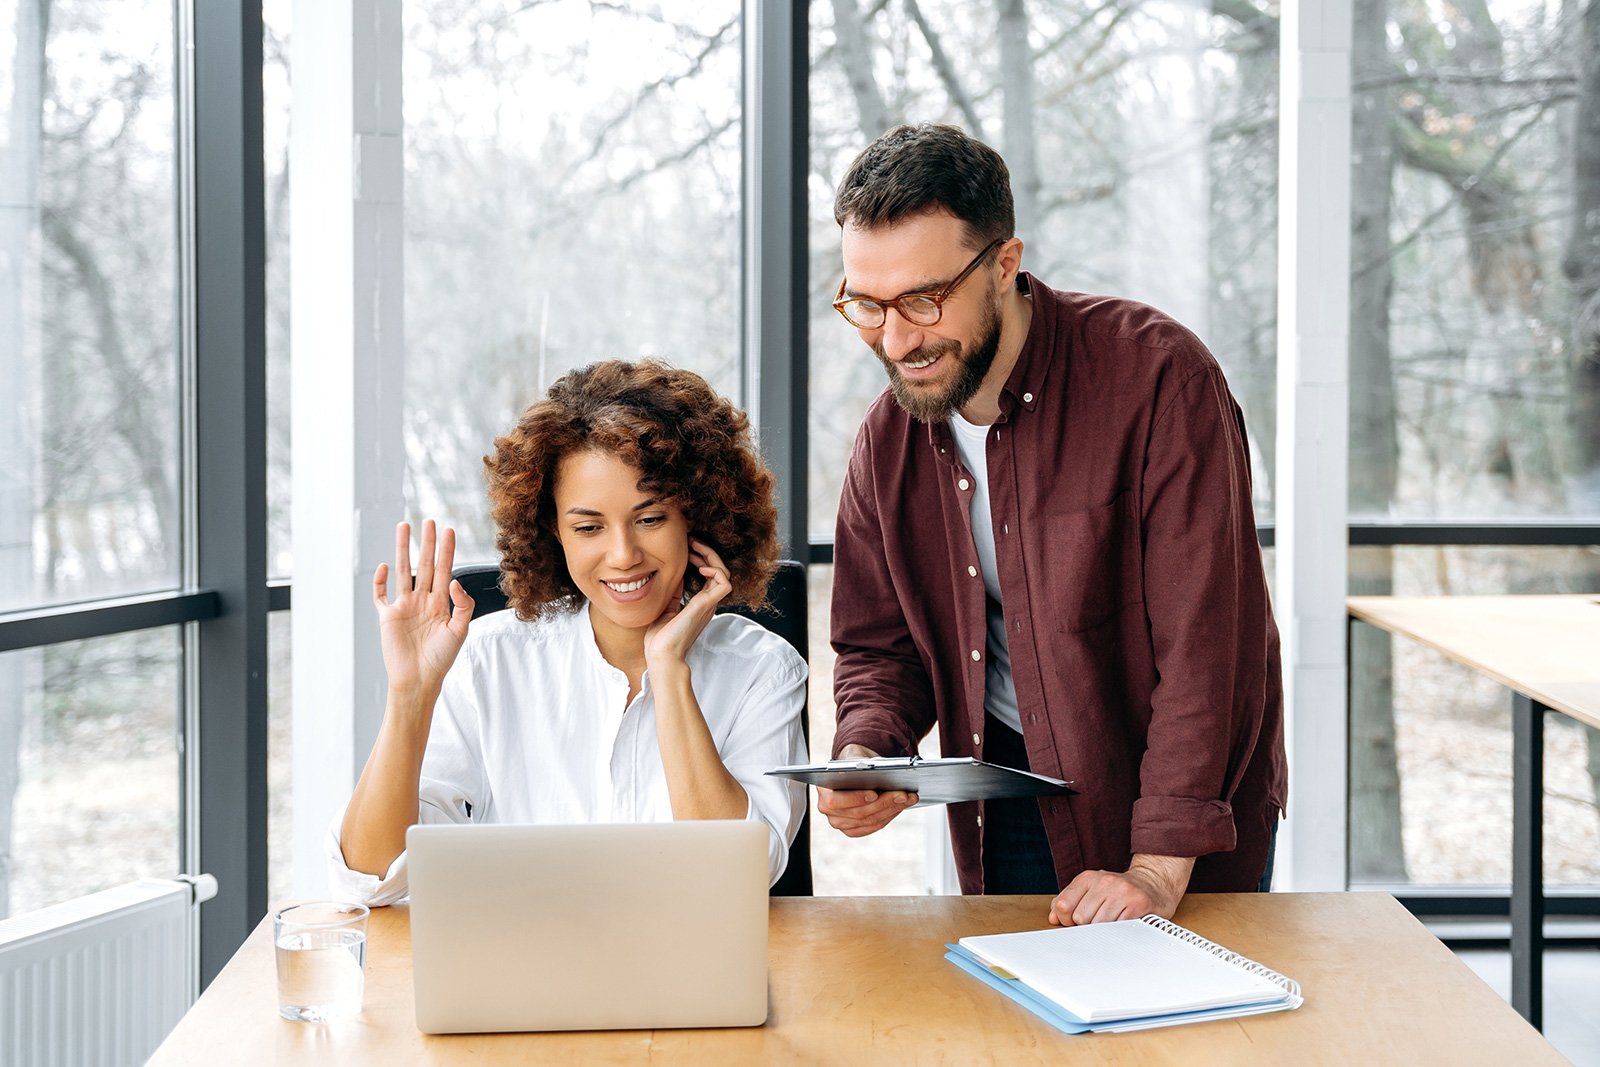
935	781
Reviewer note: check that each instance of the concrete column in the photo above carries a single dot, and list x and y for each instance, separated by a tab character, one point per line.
347	342
1313	402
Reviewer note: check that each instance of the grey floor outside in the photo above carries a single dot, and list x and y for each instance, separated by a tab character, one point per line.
1571	995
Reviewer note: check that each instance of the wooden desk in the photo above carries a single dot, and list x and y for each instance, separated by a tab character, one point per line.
863	980
1546	650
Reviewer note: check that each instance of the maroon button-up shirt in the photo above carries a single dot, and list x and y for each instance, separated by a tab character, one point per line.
1142	642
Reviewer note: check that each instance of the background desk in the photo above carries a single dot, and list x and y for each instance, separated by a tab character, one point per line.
863	980
1546	650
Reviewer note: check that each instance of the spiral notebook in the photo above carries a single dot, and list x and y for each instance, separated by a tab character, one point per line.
1130	975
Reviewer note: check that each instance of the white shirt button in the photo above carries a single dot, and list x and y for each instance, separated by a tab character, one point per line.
1027	398
975	740
980	821
972	571
963	485
975	654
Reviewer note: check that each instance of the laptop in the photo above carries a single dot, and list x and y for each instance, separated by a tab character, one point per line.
596	927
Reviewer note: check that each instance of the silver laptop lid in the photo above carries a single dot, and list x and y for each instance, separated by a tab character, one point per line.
597	927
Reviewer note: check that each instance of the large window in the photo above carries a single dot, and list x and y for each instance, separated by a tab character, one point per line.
88	302
89	431
1142	144
1469	393
572	194
1472	397
97	770
130	319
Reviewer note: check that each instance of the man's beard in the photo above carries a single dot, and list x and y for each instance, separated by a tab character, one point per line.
971	367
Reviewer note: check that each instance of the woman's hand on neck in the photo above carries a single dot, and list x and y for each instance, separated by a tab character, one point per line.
668	640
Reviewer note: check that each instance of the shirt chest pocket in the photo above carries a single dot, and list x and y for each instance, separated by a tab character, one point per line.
1091	564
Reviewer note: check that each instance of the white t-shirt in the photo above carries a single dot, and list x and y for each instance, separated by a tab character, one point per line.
1000	690
530	728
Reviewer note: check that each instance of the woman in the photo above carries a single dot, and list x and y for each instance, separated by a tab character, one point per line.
630	503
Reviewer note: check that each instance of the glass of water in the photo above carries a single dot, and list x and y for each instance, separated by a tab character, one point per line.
322	955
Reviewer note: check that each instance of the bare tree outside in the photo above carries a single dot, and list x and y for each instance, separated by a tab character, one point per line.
88	415
573	177
1466	400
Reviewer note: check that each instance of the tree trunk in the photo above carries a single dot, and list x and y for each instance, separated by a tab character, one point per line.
1582	266
1377	850
853	43
20	365
132	419
1019	142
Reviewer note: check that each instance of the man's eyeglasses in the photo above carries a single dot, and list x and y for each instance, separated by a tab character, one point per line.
922	309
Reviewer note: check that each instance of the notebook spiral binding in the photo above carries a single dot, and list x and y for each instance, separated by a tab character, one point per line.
1166	926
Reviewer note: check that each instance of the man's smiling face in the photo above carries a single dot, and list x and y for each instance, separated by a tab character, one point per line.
936	369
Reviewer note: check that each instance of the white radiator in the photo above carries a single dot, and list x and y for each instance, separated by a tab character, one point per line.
100	979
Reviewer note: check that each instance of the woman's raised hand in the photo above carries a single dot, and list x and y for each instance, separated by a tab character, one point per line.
420	634
670	637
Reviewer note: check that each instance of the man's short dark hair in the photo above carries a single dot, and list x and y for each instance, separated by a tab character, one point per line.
912	170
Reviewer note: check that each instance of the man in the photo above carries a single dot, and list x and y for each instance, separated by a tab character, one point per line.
1046	546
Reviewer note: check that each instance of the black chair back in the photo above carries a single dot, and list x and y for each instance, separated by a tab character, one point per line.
785	616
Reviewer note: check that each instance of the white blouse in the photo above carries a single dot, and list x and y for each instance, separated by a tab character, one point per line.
534	726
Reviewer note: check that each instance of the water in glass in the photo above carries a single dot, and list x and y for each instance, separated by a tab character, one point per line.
320	974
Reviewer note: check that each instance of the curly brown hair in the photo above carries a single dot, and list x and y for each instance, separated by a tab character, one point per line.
693	450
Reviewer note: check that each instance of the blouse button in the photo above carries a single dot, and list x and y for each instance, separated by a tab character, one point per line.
980	822
975	654
1027	398
972	571
975	740
963	484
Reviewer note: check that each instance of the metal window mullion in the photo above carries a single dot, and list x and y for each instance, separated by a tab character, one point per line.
774	320
225	455
1475	534
82	622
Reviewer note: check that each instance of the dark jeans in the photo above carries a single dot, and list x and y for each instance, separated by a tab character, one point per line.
1272	853
1016	854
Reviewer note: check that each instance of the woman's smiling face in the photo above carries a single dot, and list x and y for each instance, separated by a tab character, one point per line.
625	551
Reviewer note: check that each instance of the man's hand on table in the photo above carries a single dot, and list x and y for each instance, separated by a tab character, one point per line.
1150	884
859	812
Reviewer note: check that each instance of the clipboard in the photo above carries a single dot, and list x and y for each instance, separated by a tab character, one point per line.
935	781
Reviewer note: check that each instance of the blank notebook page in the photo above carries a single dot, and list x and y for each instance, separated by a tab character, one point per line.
1121	970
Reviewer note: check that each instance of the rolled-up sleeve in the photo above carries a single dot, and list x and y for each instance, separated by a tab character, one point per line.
452	788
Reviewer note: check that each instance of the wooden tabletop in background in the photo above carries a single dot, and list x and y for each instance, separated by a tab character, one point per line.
863	980
1547	647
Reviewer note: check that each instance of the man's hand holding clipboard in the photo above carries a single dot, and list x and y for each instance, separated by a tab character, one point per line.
859	812
864	791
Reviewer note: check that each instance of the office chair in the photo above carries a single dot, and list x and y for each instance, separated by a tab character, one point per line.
785	617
